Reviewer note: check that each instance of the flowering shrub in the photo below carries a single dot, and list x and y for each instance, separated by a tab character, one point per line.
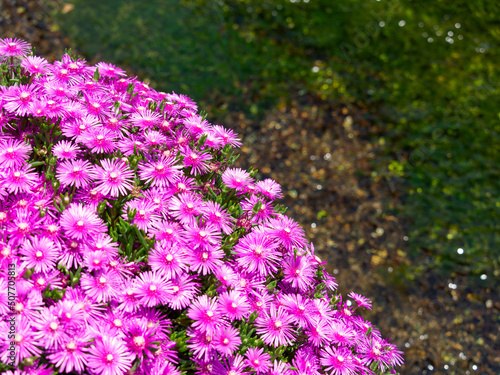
130	245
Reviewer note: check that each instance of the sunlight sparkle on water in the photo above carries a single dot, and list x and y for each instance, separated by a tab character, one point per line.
460	250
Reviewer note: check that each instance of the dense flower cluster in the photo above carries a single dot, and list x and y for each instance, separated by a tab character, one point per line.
138	249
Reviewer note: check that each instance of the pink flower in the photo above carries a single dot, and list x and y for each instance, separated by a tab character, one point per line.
298	273
185	207
100	288
109	356
205	260
196	160
184	288
258	360
227	340
160	172
26	345
234	305
110	70
204	311
113	177
79	173
13	153
14	47
227	136
205	236
72	354
65	150
287	232
237	178
145	216
98	139
168	259
40	254
215	215
18	99
257	253
152	289
35	64
339	361
145	119
20	179
360	300
79	222
275	327
51	332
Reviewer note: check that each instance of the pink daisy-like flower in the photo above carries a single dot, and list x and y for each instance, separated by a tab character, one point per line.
287	232
227	340
226	275
204	311
109	356
184	288
24	340
145	119
130	144
298	273
256	252
128	299
318	332
152	289
160	172
195	160
342	334
168	259
205	260
98	106
14	47
113	177
71	254
79	222
360	300
40	254
237	178
100	288
79	173
200	343
66	150
13	153
196	125
35	64
139	339
51	333
281	368
154	138
185	207
227	136
20	179
145	216
18	99
298	307
217	216
230	366
72	354
234	305
269	188
275	327
167	231
258	360
339	361
110	70
306	362
75	128
205	236
98	139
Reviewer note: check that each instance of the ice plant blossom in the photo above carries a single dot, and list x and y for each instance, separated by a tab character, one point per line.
136	247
